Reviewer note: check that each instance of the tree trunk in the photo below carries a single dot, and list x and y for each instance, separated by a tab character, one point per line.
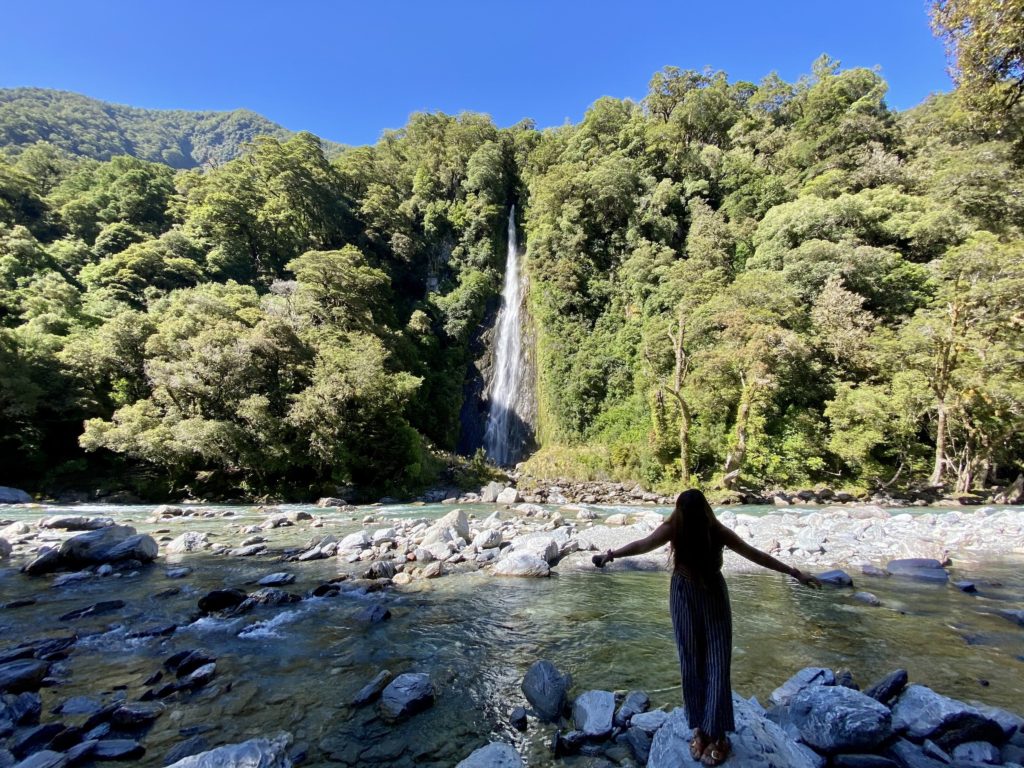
940	446
684	441
738	453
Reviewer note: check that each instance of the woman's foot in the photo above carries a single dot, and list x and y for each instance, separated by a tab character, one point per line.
698	744
716	753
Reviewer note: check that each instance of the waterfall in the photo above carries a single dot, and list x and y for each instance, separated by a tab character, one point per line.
508	362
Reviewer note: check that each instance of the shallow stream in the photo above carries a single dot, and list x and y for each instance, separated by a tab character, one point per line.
296	667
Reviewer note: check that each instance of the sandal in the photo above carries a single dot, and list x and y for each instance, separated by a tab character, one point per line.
716	753
698	744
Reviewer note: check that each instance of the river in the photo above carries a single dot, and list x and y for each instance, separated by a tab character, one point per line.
295	667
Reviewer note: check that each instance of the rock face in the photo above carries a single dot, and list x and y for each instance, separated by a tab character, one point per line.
592	713
13	496
406	695
756	743
545	688
494	755
255	753
836	719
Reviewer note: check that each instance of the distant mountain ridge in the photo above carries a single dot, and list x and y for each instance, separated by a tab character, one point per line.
92	128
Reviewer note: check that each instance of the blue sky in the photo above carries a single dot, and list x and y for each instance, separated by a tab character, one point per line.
348	70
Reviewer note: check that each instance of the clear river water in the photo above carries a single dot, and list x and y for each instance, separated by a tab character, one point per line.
296	667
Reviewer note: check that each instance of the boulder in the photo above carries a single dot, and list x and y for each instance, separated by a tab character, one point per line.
545	688
521	564
190	541
372	689
977	752
357	540
592	713
910	755
255	753
487	539
494	755
45	758
117	749
109	544
836	719
617	519
457	520
22	675
75	522
544	547
649	722
221	599
919	568
889	687
279	579
508	496
47	561
836	578
5	549
1014	494
166	510
490	492
634	703
922	713
805	678
756	743
406	695
13	496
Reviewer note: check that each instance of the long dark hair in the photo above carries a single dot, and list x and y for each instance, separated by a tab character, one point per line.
695	545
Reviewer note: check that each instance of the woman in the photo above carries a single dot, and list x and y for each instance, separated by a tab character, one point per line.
699	603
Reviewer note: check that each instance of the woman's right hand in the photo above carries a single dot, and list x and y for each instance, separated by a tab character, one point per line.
806	579
603	559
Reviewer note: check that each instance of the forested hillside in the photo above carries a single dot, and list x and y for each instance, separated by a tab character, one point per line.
92	128
731	284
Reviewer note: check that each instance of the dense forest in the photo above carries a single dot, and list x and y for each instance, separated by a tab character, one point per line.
731	284
91	128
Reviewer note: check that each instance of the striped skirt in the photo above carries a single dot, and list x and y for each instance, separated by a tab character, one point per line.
703	625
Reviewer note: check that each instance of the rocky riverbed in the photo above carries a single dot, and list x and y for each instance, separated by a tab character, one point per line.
198	601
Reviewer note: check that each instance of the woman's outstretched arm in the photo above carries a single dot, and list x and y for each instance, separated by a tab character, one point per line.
658	537
754	555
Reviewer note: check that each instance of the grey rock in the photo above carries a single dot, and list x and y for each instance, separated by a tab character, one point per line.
47	561
649	722
276	579
523	564
118	749
966	586
923	714
592	713
46	758
509	496
873	570
96	609
247	550
199	677
191	746
110	544
836	578
1010	722
178	573
75	522
5	549
457	520
136	714
71	578
373	614
756	743
868	598
78	753
221	599
372	689
1014	615
909	755
22	675
634	703
545	688
21	709
13	496
190	541
357	540
166	510
836	719
517	718
489	493
977	752
805	678
921	569
487	539
494	755
639	742
889	687
255	753
406	695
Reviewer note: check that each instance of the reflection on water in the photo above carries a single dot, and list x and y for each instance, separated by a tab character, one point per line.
296	667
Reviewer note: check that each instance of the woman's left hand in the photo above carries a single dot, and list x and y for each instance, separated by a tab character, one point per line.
806	579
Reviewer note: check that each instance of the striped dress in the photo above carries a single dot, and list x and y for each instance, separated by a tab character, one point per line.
702	621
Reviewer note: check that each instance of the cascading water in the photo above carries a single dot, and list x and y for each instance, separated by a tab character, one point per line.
508	361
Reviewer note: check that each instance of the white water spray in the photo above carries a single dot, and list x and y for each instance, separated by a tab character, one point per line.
508	363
